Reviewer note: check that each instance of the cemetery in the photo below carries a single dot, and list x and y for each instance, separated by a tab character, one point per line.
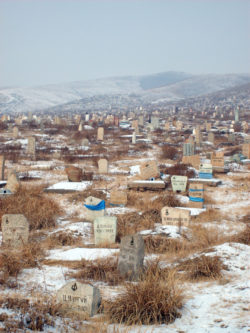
103	213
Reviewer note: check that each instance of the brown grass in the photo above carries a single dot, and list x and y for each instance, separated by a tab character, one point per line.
168	152
209	215
243	237
203	267
81	196
179	170
62	238
104	270
12	262
34	316
40	210
154	299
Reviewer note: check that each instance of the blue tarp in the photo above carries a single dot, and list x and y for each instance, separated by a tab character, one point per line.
100	206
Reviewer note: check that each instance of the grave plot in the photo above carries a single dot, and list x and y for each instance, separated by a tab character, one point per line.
91	247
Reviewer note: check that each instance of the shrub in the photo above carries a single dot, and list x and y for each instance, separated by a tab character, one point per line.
150	301
243	237
204	267
169	152
40	210
104	269
180	170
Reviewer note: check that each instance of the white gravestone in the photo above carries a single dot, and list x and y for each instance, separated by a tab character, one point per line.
105	230
179	183
15	229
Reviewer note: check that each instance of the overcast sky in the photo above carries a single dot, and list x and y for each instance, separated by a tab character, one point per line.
54	41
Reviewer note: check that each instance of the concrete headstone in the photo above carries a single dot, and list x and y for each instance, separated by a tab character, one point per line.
175	216
179	183
105	230
15	229
79	298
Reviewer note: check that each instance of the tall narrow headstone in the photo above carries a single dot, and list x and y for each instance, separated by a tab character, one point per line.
196	195
13	182
100	133
31	148
131	256
210	137
2	165
134	138
15	132
188	149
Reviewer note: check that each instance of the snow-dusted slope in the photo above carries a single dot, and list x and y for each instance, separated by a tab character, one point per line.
168	86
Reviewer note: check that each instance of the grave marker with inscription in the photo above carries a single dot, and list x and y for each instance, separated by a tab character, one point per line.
118	197
105	230
79	298
175	216
196	195
95	208
13	182
179	183
131	256
206	171
15	229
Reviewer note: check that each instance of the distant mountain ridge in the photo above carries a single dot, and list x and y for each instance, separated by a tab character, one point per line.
169	86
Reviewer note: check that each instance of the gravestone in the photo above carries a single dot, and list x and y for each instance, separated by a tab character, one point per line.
134	138
246	150
100	134
206	171
15	132
13	182
2	165
116	120
196	195
15	229
188	149
179	125
79	298
31	148
175	216
118	197
103	165
149	170
167	126
208	127
91	214
179	183
210	137
80	127
74	174
217	159
105	230
131	256
198	136
193	160
191	140
155	122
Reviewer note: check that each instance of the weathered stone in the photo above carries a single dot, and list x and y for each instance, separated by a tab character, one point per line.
15	229
103	165
210	137
100	134
15	132
175	216
74	174
246	150
188	149
131	256
13	182
31	148
78	298
105	230
2	165
179	183
149	170
134	138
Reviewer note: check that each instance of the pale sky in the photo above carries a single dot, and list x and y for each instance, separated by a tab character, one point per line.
55	41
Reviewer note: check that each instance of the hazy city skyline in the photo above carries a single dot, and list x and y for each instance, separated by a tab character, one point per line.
43	42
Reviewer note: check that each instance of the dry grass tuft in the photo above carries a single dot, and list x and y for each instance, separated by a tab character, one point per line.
168	152
62	238
34	316
81	196
154	299
243	237
179	170
200	268
104	270
40	210
12	262
162	244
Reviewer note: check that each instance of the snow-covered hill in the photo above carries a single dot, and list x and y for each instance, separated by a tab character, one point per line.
168	86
